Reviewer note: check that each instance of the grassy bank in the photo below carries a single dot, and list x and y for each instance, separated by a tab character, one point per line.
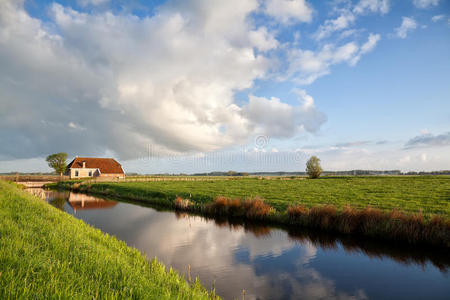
45	253
410	209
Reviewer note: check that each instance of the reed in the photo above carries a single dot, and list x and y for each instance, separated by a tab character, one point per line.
254	208
393	225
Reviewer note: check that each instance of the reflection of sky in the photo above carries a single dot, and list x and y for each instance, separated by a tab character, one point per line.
267	267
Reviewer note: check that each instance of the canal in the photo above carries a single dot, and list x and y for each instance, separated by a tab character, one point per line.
268	263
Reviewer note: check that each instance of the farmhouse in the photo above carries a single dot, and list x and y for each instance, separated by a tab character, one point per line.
83	167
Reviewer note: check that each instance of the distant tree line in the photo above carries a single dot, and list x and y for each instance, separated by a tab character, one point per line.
336	173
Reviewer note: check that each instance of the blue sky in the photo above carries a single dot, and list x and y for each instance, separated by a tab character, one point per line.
196	86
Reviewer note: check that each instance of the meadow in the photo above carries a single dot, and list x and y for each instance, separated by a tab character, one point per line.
46	253
412	194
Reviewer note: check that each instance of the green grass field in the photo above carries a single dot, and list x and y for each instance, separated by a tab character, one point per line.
46	253
412	194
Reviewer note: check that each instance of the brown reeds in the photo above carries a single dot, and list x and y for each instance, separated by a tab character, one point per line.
254	208
182	204
393	225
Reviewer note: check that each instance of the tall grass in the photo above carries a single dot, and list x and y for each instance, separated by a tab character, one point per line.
46	253
393	225
250	208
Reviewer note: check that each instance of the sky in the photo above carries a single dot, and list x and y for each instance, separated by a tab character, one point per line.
186	86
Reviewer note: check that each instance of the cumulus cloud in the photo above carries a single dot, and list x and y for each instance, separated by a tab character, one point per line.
120	82
307	65
274	118
262	39
429	140
408	25
425	3
289	11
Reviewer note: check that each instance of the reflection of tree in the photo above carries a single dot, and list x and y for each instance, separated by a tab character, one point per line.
58	202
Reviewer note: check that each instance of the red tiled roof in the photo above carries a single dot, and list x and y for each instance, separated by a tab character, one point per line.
106	165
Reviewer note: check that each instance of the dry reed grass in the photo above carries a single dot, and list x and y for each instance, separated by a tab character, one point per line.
254	208
394	225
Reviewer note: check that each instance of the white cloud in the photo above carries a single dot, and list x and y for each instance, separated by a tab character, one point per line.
425	3
437	18
289	11
408	25
75	126
92	2
167	80
306	65
372	157
373	6
371	43
332	25
277	119
348	15
262	40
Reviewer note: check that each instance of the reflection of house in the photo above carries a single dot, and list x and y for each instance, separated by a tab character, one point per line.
82	167
81	201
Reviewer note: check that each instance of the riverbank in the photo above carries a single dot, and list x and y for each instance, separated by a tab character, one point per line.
47	253
422	217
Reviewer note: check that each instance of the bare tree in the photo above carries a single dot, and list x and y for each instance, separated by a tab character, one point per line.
313	167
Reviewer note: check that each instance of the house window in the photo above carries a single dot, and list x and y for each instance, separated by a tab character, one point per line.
90	173
76	173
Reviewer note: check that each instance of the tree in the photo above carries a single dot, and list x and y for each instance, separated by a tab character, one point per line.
313	167
57	162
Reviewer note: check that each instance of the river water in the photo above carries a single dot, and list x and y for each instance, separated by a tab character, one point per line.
268	263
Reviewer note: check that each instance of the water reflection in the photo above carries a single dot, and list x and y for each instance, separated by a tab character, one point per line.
82	202
269	263
75	200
